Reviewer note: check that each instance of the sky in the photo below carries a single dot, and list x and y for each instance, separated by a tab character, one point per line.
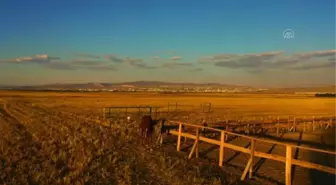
229	42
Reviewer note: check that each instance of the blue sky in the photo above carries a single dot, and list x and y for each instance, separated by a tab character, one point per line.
166	40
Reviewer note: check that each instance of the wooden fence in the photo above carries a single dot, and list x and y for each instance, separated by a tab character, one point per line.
287	159
206	107
121	112
179	107
287	124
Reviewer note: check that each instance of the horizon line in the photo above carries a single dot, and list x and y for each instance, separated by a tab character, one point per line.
177	82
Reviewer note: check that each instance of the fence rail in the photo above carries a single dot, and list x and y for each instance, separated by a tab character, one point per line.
123	111
291	123
287	159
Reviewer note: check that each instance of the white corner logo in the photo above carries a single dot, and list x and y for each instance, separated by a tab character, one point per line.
288	34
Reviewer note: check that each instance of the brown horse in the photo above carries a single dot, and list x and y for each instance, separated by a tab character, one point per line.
147	127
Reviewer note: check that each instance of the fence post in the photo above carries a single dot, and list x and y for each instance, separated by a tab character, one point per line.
313	123
179	137
221	149
252	157
197	142
288	165
195	147
329	125
278	126
104	113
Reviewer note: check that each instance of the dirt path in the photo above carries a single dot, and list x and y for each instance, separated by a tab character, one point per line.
19	154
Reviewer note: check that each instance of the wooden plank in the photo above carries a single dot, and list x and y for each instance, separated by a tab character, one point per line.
195	126
288	171
252	157
288	159
221	149
197	143
179	138
310	165
216	142
246	169
192	149
201	138
314	149
270	156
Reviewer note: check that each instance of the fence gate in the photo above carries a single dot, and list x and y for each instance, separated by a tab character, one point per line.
179	107
122	112
206	107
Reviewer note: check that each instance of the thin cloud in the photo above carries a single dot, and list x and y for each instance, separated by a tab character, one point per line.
38	59
114	59
315	66
176	58
138	63
316	54
104	68
206	60
176	64
91	65
47	61
197	70
60	66
86	62
271	61
156	58
86	55
245	61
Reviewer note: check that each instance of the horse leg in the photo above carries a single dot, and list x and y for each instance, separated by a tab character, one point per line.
143	136
150	138
146	135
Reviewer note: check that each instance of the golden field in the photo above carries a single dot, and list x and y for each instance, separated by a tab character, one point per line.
53	138
236	104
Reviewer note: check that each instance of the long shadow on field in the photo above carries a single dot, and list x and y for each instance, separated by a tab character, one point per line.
237	153
318	177
205	152
296	155
262	161
302	142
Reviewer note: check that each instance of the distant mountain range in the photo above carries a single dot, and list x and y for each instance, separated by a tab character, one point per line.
162	84
138	84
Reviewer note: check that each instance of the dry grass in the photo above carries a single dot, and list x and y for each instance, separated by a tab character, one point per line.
51	138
